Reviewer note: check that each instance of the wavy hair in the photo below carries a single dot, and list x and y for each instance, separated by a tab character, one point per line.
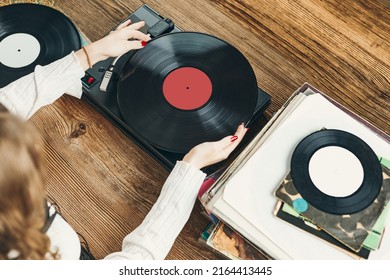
22	209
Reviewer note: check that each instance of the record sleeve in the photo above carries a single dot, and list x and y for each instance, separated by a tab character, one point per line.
350	229
295	220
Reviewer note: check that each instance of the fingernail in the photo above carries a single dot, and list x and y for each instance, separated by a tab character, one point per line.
247	129
144	43
233	138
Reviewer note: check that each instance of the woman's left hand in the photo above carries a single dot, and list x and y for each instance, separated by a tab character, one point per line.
125	38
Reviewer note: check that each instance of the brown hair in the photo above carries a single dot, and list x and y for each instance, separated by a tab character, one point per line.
22	209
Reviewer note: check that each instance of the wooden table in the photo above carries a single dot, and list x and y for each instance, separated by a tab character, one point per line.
105	184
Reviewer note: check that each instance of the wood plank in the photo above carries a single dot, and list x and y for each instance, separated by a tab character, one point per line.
105	184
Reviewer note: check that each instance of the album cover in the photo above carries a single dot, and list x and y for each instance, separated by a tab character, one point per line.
209	182
243	196
371	242
296	220
204	237
352	229
231	244
207	232
209	216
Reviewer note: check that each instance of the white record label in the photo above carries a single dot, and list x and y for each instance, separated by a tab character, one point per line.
336	171
19	50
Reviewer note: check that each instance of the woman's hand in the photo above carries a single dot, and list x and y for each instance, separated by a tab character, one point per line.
125	38
209	153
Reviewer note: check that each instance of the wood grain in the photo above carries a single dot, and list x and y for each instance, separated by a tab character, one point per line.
105	184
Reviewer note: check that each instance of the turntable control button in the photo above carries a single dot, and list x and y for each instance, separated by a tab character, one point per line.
90	80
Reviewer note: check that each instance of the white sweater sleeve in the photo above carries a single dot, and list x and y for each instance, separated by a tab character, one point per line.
46	84
155	236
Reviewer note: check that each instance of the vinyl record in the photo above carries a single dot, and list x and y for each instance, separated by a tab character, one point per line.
186	88
372	172
31	35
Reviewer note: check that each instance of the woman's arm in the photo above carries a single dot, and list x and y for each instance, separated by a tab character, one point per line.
47	83
125	38
155	236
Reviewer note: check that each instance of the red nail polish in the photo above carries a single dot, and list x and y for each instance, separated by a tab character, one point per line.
144	43
233	138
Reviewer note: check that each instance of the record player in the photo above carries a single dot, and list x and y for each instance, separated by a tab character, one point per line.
101	90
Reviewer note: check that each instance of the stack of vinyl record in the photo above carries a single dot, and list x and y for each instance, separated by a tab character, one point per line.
325	168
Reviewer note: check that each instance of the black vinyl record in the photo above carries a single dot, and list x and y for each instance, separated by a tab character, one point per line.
186	88
357	201
31	35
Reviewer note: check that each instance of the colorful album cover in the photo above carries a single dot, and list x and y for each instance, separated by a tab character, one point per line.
204	237
351	229
289	215
207	232
209	181
232	245
372	242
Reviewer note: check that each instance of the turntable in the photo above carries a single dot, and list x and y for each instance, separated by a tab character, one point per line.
120	88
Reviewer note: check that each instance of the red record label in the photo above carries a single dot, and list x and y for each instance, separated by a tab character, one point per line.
187	88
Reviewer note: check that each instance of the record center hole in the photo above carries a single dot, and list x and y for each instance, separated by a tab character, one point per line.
336	171
19	50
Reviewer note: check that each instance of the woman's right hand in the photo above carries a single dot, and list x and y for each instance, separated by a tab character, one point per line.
208	153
